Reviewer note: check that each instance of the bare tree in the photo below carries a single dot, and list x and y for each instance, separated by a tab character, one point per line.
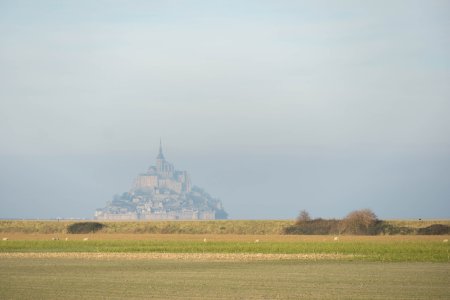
303	216
359	221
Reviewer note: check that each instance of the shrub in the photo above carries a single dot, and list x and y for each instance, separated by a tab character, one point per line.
434	229
85	227
316	226
303	216
360	222
383	227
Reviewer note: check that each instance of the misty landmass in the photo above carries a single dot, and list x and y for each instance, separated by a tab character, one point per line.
163	193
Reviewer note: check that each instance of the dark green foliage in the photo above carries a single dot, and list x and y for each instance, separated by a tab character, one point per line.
384	228
435	229
221	214
85	227
379	227
316	226
325	227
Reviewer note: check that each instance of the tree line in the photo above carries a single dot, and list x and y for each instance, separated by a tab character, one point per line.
358	222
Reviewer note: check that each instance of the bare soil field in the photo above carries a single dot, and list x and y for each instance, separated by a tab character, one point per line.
72	278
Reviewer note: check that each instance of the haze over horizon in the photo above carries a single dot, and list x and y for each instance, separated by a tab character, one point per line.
271	106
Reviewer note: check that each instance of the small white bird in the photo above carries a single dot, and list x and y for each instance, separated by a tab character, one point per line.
256	241
5	239
85	239
204	240
336	238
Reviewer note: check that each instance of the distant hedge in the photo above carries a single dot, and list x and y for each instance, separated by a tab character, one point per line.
321	226
85	227
316	226
435	229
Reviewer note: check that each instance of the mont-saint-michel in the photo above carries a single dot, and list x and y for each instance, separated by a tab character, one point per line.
163	193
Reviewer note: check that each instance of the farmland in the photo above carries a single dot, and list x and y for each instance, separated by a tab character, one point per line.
71	278
121	263
363	248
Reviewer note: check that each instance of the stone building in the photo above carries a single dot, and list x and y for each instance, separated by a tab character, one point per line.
162	193
163	176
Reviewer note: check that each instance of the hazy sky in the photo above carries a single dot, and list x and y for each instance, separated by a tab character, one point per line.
272	106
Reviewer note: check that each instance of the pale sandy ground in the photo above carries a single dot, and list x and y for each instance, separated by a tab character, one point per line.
177	256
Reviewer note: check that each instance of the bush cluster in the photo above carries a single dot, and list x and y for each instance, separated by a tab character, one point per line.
316	226
359	222
85	227
435	229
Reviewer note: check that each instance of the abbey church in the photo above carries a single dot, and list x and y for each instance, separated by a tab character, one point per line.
163	193
163	176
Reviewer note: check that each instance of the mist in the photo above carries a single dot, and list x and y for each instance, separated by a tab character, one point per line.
271	107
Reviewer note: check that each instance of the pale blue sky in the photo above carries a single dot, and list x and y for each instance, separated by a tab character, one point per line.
272	106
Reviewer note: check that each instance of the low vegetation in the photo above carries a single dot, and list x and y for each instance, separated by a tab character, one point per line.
337	227
364	222
313	227
84	227
434	229
305	226
380	248
153	227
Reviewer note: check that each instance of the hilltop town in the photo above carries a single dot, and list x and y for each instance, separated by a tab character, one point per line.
162	193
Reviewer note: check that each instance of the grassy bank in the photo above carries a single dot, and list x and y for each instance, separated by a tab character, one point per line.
182	227
162	227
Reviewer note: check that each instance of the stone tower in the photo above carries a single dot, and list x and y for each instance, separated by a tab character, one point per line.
163	167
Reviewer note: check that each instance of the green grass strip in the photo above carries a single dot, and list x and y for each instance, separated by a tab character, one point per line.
420	251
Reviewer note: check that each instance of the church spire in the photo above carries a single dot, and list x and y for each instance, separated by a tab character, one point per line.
160	155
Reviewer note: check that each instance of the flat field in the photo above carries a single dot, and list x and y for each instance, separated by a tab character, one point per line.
362	248
222	266
71	278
